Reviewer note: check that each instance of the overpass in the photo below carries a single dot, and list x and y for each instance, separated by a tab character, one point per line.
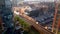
38	27
31	21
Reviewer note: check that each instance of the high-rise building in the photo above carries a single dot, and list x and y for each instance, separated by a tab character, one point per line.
6	13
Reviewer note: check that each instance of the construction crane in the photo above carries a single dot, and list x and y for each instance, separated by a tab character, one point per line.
5	16
55	25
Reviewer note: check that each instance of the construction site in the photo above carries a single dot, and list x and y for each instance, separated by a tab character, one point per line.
29	16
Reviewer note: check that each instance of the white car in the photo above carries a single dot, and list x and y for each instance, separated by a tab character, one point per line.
16	12
36	22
